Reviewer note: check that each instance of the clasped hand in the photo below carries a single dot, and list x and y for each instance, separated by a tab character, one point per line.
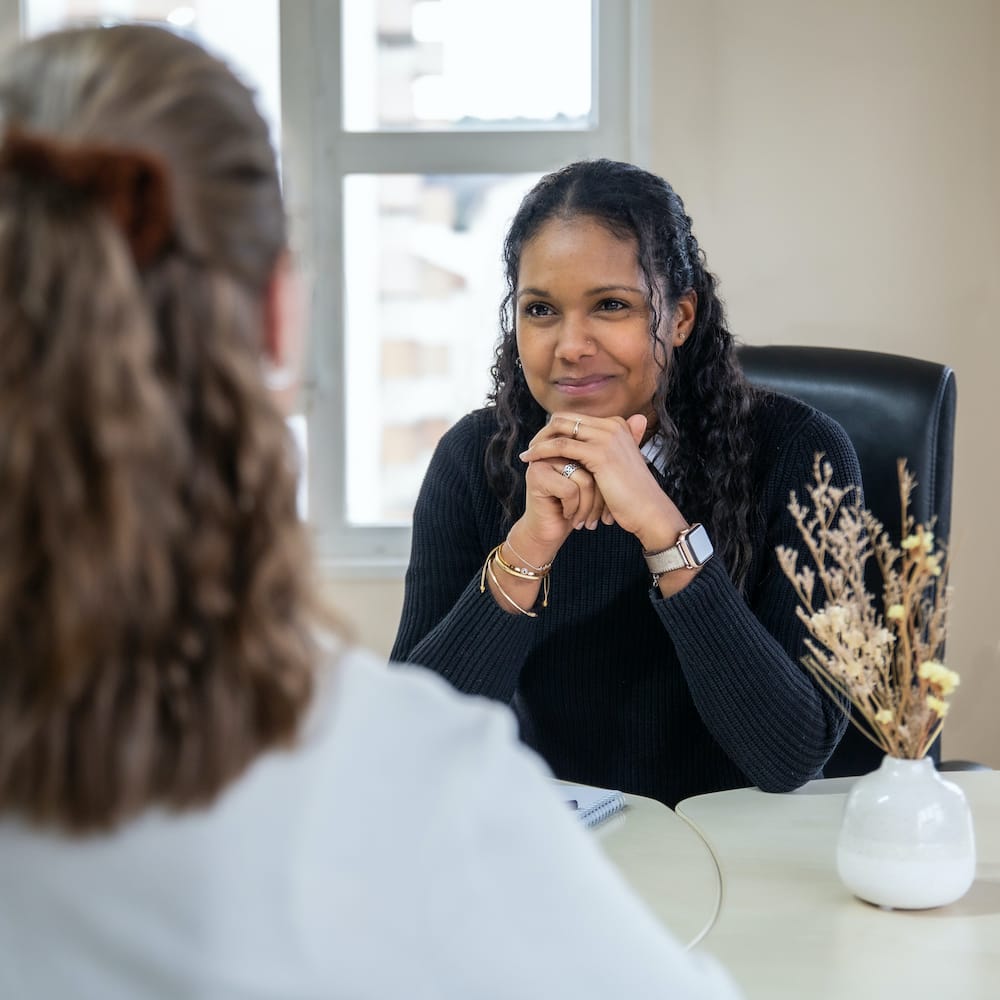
611	482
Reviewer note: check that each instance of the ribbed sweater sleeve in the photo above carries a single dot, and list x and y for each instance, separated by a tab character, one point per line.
447	623
740	659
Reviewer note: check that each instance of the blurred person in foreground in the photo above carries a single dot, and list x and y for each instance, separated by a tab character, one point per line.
197	797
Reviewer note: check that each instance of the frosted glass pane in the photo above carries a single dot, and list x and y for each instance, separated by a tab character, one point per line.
423	284
245	35
467	64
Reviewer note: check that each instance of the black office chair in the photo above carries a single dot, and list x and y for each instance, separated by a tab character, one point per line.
891	407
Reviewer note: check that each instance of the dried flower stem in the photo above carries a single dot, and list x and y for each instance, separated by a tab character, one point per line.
885	663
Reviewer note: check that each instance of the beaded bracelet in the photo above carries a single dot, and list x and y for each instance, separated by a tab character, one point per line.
517	555
521	571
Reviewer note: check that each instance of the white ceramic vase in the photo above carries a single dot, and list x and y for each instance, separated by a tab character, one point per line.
906	840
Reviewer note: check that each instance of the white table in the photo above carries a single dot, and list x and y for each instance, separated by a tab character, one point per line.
787	927
667	863
751	878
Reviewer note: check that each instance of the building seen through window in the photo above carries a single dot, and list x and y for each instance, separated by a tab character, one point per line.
412	129
422	275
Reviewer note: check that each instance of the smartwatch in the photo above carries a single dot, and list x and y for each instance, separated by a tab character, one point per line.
692	549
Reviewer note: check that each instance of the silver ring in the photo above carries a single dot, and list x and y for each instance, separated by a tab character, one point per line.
576	428
569	468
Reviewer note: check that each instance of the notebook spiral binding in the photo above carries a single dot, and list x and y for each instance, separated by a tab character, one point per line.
600	811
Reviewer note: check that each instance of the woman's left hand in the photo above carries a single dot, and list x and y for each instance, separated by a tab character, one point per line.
608	448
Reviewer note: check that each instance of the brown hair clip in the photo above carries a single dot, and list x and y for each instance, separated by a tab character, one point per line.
132	185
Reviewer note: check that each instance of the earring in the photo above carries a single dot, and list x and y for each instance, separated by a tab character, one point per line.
518	365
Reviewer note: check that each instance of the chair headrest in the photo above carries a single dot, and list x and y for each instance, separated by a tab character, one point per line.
891	407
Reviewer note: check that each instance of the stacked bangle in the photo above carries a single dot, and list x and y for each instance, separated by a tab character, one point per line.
528	572
517	555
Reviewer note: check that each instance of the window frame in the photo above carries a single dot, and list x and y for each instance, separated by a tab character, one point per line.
314	173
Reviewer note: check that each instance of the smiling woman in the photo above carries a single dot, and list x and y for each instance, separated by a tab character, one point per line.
583	321
623	450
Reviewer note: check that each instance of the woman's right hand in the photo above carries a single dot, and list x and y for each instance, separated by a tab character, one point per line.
555	505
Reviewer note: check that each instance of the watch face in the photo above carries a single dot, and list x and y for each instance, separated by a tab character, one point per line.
700	544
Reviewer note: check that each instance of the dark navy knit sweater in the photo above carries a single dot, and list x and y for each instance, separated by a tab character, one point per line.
612	684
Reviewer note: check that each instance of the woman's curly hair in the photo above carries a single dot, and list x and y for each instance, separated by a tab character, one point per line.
702	400
155	609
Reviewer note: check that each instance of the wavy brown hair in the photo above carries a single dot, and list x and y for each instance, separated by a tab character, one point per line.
702	401
155	609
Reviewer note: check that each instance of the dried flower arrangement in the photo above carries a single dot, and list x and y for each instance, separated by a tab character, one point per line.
887	664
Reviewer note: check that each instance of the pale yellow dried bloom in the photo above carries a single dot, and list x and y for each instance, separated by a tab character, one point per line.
896	612
854	638
937	705
884	638
940	676
854	669
921	539
884	716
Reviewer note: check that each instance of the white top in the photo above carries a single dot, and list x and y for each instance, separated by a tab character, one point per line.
409	847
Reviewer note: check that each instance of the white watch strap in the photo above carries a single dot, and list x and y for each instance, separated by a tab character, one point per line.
666	561
682	554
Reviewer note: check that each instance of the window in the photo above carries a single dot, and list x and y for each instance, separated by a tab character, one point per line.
252	50
413	128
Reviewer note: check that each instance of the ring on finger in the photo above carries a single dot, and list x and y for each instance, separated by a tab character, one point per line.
569	468
576	428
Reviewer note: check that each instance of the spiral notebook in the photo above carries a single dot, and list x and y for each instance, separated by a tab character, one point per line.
592	805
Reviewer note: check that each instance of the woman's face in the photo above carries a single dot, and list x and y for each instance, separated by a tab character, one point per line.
582	321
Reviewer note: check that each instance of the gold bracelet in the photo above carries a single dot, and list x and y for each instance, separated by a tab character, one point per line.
510	600
511	571
525	574
482	576
522	574
488	568
517	555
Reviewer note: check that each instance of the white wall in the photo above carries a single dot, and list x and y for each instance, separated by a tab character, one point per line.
841	162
